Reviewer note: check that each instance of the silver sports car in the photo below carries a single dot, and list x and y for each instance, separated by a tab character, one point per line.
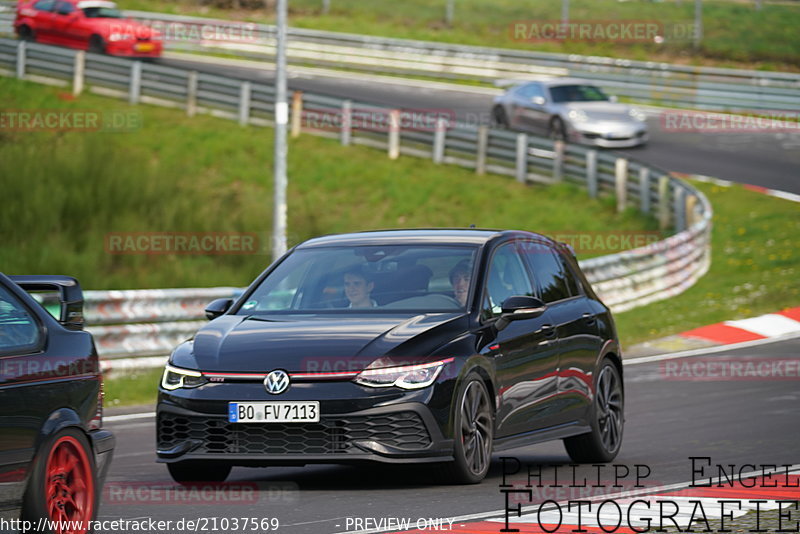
572	110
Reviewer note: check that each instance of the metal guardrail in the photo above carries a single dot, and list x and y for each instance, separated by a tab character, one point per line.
154	321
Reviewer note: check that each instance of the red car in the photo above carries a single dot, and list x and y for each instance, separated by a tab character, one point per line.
93	25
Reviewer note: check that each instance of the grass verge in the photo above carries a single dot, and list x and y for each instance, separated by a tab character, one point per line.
734	33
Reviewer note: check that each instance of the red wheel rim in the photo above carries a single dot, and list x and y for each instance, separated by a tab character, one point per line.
69	487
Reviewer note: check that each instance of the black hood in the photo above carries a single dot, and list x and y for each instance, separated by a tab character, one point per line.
236	343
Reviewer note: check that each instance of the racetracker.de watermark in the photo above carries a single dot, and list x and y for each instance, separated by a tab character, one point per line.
711	369
606	242
182	243
620	31
137	493
377	119
74	120
228	32
766	121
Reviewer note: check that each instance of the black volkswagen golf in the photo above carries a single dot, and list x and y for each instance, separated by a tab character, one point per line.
437	346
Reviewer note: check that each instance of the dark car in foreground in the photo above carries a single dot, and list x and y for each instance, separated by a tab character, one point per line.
401	346
570	109
54	453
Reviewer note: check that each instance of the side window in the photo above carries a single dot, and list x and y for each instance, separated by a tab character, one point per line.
19	330
572	282
507	277
45	5
64	8
551	280
529	91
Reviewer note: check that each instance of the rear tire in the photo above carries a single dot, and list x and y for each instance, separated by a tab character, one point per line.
26	34
63	484
558	131
187	472
499	117
607	420
472	435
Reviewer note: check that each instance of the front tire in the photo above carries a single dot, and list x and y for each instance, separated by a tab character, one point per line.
97	45
187	472
602	444
63	485
473	435
558	131
499	118
26	34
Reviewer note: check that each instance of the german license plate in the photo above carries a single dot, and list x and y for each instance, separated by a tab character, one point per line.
273	412
144	47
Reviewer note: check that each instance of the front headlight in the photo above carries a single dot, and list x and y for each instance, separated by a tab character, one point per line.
577	115
637	114
174	378
406	376
120	37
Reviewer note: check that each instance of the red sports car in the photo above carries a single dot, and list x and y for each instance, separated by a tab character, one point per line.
94	25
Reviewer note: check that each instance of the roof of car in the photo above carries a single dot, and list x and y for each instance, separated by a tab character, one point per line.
470	236
83	4
553	82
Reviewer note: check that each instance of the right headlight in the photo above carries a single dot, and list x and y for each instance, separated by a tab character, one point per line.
176	378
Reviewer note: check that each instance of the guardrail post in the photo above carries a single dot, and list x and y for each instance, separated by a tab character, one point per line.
680	209
591	173
522	158
483	145
297	113
691	210
347	122
244	104
135	88
439	140
78	72
394	134
191	94
22	53
558	161
644	190
663	202
621	183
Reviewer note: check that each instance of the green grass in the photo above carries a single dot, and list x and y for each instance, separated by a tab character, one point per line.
131	389
204	174
755	268
735	34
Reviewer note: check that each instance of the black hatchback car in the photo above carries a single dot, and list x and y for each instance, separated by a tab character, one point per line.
54	453
436	346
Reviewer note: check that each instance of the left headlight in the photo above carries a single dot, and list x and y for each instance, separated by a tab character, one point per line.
637	114
406	376
120	37
175	378
577	115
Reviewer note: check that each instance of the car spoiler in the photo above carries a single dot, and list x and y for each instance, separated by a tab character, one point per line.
70	295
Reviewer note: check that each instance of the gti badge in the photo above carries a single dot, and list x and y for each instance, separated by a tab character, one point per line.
276	382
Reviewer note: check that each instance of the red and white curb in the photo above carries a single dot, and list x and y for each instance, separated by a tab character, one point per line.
632	513
763	327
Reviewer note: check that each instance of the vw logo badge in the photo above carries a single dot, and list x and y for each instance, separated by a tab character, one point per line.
276	382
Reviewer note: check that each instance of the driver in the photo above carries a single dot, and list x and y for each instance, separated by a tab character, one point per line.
358	287
460	277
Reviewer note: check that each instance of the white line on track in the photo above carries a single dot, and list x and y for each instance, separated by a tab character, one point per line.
128	417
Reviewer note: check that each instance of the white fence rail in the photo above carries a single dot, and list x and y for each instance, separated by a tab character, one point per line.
147	322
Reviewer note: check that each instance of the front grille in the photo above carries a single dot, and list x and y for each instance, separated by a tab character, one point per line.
402	430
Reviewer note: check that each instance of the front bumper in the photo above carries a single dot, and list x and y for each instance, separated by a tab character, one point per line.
615	138
399	433
144	49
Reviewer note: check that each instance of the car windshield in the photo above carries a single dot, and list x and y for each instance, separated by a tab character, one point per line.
364	279
577	93
102	13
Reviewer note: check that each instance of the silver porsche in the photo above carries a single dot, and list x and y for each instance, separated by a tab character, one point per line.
572	110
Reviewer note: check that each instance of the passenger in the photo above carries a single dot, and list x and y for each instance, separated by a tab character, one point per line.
460	277
357	288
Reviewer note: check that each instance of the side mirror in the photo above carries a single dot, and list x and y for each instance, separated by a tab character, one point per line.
520	307
539	100
217	308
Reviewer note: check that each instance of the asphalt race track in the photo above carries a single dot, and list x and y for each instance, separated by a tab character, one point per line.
768	159
667	420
